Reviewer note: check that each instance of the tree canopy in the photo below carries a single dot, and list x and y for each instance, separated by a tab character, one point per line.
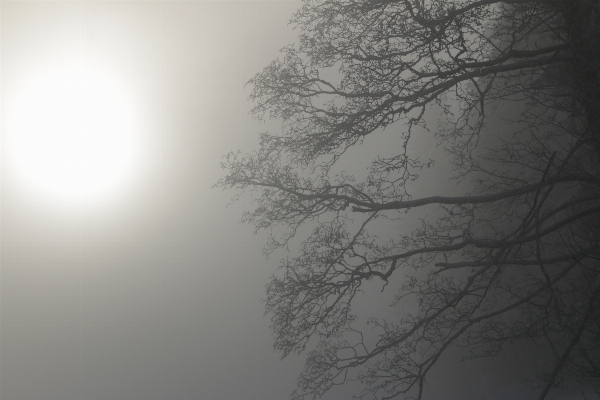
514	258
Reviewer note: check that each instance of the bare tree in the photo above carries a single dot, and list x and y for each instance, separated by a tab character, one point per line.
515	258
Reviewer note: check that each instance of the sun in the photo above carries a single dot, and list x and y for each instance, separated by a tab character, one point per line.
71	133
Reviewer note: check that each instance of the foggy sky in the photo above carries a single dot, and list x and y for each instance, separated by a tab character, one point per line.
156	293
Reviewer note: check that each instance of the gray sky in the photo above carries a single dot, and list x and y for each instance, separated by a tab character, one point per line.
154	291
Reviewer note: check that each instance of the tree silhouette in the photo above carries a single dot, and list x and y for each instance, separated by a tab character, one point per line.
515	258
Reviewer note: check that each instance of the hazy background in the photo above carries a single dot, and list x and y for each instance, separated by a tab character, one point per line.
155	293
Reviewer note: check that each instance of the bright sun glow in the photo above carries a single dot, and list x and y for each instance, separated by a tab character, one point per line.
71	132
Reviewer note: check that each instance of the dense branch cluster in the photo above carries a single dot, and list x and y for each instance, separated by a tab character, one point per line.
515	258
